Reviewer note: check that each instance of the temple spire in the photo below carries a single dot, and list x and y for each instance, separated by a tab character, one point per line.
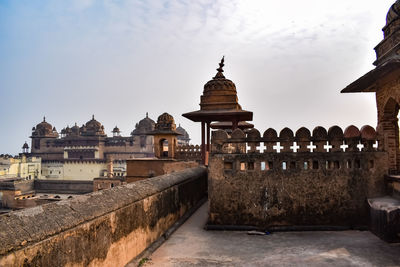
44	118
93	117
147	114
220	69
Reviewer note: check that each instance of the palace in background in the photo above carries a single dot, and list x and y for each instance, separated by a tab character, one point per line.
83	153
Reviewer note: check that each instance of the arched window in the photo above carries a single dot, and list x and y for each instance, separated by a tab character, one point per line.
391	133
163	148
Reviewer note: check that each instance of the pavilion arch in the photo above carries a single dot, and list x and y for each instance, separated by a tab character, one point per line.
390	133
163	148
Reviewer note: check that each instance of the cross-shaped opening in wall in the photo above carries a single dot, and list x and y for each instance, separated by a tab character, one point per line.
376	144
294	147
230	148
311	147
278	147
344	146
261	148
248	148
360	146
328	147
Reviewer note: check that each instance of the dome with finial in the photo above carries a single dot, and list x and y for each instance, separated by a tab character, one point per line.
93	127
144	126
219	93
68	130
25	146
75	129
165	122
116	130
43	129
184	137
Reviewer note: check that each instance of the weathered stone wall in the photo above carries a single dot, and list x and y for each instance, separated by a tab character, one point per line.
63	186
104	228
308	180
138	169
387	102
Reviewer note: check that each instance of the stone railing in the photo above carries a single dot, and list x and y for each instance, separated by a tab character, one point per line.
104	228
303	178
321	140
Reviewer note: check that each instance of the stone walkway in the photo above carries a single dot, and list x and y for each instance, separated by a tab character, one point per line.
190	245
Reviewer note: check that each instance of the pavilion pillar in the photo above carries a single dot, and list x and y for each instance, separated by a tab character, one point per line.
203	151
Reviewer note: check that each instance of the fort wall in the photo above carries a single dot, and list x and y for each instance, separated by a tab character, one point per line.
104	228
303	178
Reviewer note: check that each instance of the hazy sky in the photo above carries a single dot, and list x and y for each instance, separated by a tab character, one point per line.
118	60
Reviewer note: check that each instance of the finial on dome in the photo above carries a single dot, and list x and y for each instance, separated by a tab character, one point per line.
220	69
44	118
147	114
93	117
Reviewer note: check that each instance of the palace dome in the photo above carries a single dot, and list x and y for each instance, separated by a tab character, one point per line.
183	138
75	129
393	13
144	126
183	132
93	127
43	129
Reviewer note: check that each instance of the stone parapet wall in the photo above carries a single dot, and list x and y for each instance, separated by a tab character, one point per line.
303	178
104	228
63	186
188	153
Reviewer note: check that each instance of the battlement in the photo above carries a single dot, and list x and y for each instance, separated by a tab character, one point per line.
303	140
318	177
188	153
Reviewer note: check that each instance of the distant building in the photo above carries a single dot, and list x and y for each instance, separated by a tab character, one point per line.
89	142
81	153
183	139
20	167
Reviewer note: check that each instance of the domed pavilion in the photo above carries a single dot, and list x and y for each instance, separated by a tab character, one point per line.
219	103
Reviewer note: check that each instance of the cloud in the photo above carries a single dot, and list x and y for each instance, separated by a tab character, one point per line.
119	59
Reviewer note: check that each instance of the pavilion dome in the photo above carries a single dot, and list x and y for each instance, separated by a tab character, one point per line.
25	146
393	13
219	93
116	130
144	126
165	122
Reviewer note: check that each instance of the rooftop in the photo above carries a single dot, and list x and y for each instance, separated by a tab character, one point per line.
191	245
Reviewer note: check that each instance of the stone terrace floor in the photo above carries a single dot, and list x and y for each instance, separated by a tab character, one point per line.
190	245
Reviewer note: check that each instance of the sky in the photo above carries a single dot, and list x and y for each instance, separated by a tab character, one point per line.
67	60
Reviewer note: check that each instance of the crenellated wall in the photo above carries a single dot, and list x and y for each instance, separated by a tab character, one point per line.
104	228
188	153
318	177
